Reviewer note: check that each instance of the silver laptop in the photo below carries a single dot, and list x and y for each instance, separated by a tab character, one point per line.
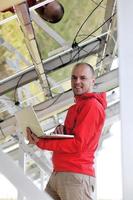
28	118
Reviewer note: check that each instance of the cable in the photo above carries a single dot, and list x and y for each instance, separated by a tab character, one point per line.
2	133
1	120
98	27
97	4
77	53
15	90
89	52
74	43
92	33
61	59
101	59
82	48
51	103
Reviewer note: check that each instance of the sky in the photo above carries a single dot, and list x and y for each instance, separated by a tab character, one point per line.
109	182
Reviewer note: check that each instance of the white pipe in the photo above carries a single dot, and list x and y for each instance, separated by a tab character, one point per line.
16	176
125	47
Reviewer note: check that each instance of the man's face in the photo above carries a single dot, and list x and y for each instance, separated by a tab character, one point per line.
82	80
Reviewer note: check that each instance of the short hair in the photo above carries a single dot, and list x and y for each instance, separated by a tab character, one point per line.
88	65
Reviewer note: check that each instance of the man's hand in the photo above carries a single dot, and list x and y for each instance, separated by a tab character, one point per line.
60	129
31	137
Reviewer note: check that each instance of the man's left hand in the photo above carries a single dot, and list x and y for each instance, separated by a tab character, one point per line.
31	137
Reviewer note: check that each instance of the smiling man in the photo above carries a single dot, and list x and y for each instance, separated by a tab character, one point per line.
82	79
73	176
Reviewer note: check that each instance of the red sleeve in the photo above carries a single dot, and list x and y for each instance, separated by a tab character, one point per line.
88	126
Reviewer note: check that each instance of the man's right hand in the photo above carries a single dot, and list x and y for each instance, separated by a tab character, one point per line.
60	129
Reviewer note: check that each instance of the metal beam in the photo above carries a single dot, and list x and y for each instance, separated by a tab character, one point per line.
31	8
23	14
43	25
29	150
71	55
112	113
48	108
15	174
110	27
8	3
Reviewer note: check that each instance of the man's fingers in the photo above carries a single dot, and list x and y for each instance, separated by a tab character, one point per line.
59	129
55	131
28	130
31	137
62	129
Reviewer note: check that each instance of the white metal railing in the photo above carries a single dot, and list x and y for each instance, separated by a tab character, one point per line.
16	176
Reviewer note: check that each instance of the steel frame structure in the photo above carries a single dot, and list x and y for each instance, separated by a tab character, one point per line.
105	82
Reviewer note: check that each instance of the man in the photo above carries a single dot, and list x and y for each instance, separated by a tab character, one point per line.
73	177
51	12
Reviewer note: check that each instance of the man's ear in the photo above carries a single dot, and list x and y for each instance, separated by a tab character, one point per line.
93	81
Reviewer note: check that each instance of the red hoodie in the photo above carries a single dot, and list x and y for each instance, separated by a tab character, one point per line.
85	120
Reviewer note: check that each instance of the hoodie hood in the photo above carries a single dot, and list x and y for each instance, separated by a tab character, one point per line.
101	97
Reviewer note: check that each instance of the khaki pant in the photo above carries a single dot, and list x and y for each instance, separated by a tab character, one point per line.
71	186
